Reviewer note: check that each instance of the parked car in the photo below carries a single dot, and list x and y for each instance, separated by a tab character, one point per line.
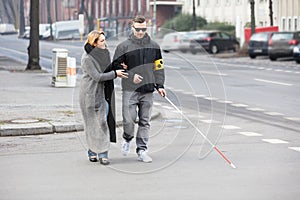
7	29
42	29
177	41
296	53
62	30
258	44
213	42
282	44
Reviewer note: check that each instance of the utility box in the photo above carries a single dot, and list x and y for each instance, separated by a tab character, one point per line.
63	69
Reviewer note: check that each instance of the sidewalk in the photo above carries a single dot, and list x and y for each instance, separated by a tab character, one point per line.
30	105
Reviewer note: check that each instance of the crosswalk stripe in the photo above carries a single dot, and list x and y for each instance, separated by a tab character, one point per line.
250	134
275	141
295	148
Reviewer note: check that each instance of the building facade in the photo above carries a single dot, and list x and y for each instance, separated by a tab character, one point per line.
286	13
113	14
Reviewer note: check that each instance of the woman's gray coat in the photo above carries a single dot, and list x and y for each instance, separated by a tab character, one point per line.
92	101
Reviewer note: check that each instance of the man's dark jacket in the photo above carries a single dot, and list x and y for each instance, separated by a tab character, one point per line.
139	55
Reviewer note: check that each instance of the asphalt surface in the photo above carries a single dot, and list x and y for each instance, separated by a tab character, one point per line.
55	165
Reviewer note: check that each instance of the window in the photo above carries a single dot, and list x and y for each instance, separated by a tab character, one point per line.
289	24
295	23
139	6
283	23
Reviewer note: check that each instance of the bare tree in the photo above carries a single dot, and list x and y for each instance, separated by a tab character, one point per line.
194	16
271	12
33	48
91	17
49	18
252	16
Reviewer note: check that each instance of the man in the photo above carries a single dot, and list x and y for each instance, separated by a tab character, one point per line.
142	58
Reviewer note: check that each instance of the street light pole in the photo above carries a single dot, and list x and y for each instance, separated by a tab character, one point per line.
154	19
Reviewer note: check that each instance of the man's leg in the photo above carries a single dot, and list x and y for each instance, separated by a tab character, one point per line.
129	114
129	104
145	108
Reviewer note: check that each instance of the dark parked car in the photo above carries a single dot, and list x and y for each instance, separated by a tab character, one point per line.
296	52
213	42
282	44
258	44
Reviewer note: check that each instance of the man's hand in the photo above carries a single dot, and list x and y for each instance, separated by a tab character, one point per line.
162	92
137	79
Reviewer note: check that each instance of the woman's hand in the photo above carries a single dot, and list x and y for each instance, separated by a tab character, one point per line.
121	73
124	65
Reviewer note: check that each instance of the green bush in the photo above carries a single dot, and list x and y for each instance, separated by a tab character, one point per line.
221	27
184	22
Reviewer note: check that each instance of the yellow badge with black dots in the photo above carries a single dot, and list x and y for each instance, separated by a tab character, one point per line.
158	64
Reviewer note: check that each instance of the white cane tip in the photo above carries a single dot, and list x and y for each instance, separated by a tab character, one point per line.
233	166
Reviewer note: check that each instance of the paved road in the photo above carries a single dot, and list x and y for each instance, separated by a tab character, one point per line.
249	107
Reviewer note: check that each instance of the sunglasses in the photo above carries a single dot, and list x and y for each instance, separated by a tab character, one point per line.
140	29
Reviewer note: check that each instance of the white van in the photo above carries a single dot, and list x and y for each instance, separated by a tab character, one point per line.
42	29
62	30
7	29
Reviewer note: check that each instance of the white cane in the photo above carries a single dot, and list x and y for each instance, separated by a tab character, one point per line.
215	148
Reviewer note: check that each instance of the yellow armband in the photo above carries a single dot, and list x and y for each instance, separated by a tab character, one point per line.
158	64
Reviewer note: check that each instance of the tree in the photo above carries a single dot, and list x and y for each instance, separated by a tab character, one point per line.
271	12
194	16
184	22
91	17
252	16
49	18
33	48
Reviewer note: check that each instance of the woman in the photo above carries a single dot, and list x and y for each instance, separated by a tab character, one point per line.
97	97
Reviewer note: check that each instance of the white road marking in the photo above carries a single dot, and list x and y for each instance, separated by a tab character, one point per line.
230	127
156	104
188	93
295	148
273	82
211	73
239	105
199	95
224	101
274	113
172	67
275	141
250	134
178	90
209	121
297	119
210	98
255	109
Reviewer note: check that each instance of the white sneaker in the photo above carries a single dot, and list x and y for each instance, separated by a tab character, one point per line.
125	148
144	157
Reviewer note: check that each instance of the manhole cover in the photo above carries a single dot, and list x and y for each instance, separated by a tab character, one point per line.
25	121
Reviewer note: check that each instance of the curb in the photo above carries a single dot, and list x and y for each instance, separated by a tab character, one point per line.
48	127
